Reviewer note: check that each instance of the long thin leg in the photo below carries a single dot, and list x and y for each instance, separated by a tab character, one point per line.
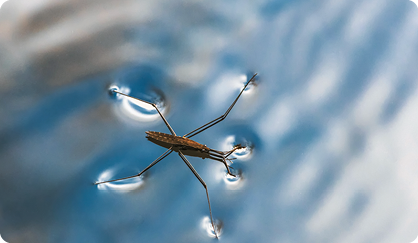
238	146
219	119
165	154
155	106
222	158
204	185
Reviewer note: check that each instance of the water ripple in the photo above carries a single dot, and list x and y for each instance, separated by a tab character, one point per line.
121	186
241	154
136	109
206	225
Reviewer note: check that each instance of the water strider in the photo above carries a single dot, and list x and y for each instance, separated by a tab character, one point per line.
183	145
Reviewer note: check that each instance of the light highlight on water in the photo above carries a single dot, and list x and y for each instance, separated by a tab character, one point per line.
241	154
113	88
206	225
123	185
136	109
251	87
231	182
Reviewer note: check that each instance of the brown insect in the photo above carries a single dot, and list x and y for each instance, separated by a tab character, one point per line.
183	145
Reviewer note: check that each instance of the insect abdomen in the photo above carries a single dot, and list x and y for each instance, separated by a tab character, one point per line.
168	140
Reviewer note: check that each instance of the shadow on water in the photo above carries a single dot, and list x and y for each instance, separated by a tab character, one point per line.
51	110
294	143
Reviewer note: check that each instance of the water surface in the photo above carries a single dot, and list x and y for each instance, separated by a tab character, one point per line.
330	122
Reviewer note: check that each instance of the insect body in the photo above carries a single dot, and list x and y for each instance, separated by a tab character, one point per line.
177	142
183	145
190	147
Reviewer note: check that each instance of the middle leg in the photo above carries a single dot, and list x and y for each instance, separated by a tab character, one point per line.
165	154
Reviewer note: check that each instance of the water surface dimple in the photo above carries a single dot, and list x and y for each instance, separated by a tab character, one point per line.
112	89
234	182
226	88
206	225
136	109
143	82
243	153
120	186
251	86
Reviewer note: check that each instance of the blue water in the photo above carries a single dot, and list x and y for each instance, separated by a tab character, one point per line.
330	123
